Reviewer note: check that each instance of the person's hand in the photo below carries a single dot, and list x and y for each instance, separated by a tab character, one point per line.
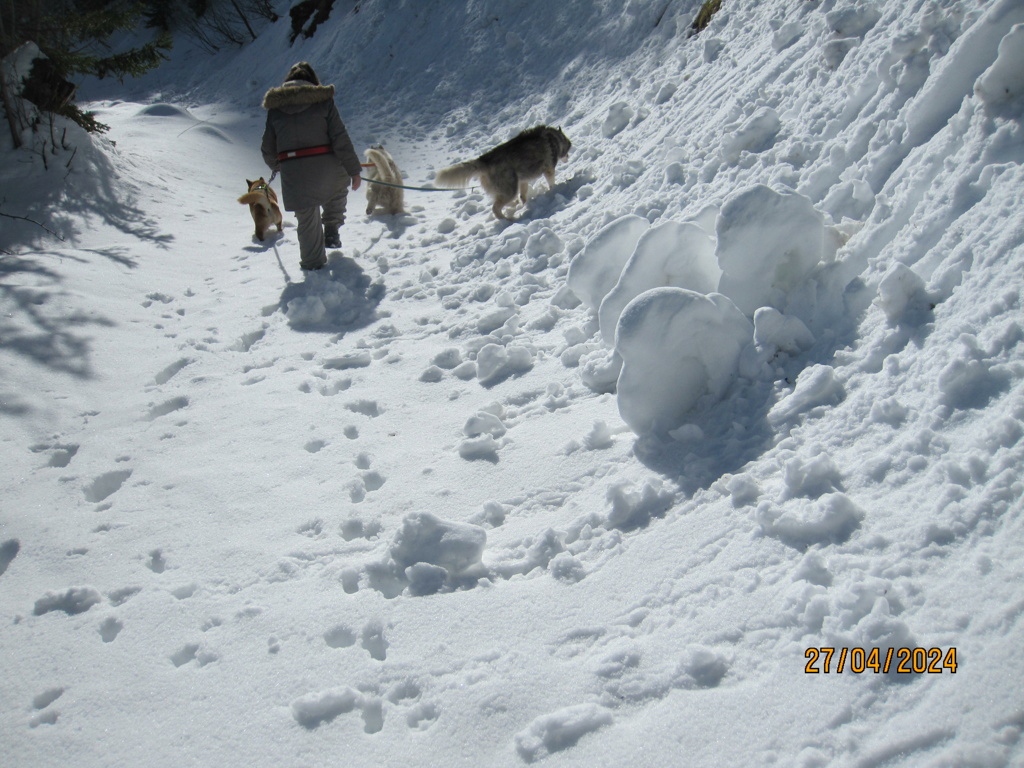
356	181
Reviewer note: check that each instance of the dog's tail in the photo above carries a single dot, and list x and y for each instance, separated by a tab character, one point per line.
379	165
257	198
459	175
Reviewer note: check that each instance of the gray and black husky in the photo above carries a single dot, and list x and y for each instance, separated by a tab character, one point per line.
506	171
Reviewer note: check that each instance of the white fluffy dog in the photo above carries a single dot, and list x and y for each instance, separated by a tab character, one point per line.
383	168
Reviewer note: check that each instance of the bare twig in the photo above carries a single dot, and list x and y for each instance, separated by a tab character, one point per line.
32	221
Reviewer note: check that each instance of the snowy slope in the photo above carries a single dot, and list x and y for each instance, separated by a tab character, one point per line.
582	489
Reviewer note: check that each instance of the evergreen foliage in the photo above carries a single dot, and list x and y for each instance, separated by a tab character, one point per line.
75	36
707	10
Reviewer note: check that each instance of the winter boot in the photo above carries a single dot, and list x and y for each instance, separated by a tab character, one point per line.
331	238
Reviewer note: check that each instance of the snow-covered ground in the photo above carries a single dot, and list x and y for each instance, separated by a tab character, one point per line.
587	488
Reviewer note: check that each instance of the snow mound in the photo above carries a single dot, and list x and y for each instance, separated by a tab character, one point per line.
677	346
671	254
596	270
768	242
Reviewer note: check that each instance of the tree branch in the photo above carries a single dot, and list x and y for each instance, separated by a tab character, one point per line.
32	221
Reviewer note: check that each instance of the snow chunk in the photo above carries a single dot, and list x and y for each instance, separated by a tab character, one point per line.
484	423
600	369
970	379
495	363
634	509
595	271
447	358
853	19
425	538
493	320
567	567
305	310
425	579
1004	80
815	386
768	242
544	243
834	51
802	522
619	115
672	254
677	346
786	35
902	294
481	447
755	135
599	437
774	332
703	667
811	477
560	730
889	411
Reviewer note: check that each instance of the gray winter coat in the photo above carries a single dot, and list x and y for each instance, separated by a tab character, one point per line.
302	115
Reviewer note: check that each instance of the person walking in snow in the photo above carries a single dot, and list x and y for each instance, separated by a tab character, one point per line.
306	141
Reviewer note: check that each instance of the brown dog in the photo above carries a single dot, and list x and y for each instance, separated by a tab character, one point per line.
263	206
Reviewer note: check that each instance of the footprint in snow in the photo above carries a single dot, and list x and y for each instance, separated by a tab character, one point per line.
166	407
8	551
365	407
191	652
71	601
162	298
122	595
367	482
171	371
314	529
110	629
374	641
41	702
246	342
106	485
358	528
373	716
156	562
340	636
61	454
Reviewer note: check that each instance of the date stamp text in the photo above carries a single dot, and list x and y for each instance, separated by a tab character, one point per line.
902	661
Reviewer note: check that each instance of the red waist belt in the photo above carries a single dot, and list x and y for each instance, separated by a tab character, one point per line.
294	153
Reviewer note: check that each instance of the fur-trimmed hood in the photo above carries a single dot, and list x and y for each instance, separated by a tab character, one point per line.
296	93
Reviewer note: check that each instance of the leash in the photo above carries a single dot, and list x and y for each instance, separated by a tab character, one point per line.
402	186
388	184
416	189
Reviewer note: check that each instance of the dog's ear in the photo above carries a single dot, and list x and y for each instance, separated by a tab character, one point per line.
248	183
